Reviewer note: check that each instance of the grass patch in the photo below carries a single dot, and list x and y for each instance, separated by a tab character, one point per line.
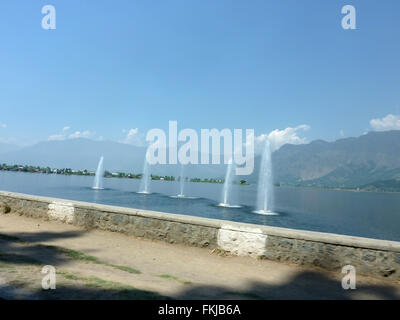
69	276
118	290
88	280
77	255
72	254
168	276
125	268
80	256
96	282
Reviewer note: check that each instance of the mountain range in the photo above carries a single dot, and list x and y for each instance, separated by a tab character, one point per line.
345	163
81	153
6	147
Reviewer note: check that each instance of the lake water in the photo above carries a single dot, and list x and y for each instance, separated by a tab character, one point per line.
372	215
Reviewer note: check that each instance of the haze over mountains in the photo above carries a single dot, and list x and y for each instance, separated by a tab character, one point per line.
81	153
78	153
349	162
6	147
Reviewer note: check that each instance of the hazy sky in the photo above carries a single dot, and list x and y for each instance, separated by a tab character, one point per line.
113	66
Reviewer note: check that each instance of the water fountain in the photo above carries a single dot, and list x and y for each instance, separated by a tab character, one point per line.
145	181
98	178
265	196
227	189
181	182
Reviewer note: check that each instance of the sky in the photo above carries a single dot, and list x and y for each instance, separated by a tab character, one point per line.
113	70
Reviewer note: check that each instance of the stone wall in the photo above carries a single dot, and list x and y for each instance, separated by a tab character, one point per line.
372	257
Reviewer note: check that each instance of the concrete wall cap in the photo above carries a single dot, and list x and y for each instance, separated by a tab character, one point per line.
330	238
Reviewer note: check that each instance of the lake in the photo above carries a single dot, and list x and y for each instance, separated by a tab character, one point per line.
372	215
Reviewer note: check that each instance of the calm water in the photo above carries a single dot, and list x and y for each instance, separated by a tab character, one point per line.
373	215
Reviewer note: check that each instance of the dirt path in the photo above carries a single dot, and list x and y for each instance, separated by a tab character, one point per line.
100	264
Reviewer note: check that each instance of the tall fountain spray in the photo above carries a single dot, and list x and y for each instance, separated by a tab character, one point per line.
98	179
227	188
265	194
227	185
145	181
182	181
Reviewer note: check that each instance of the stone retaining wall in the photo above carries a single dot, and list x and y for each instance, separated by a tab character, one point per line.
372	257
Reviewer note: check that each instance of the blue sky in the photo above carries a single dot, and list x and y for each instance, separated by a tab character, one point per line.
118	65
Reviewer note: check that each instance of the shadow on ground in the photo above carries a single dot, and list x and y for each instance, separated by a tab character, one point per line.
24	248
21	249
305	285
40	236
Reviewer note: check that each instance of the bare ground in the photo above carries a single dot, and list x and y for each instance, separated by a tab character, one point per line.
95	264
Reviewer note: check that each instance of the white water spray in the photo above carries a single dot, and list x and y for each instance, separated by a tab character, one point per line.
145	181
182	182
227	188
98	179
265	194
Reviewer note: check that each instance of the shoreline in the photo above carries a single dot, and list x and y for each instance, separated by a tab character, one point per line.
338	189
194	180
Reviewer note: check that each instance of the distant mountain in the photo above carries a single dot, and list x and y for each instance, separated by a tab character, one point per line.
344	163
76	154
6	147
347	163
82	154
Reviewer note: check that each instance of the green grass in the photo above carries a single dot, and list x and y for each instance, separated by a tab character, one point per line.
81	256
92	281
125	268
73	254
70	276
76	255
120	291
167	276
